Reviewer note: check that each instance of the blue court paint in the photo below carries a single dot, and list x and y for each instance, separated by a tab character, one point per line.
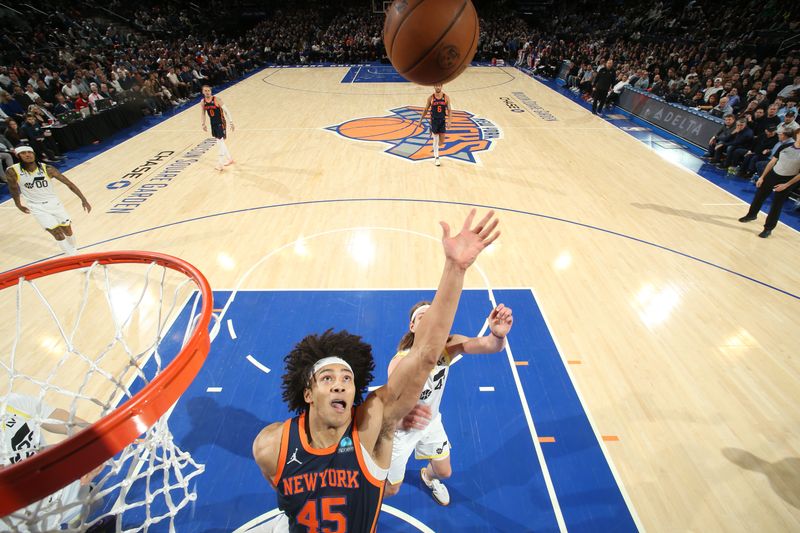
589	496
690	159
497	483
373	74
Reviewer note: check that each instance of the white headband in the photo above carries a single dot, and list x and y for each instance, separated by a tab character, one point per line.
325	361
420	309
20	149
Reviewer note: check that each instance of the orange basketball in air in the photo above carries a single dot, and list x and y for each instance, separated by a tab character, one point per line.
379	129
431	42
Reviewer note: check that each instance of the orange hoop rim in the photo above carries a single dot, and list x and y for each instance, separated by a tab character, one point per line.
54	468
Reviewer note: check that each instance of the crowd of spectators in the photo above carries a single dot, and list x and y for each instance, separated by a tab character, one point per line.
718	61
691	53
67	64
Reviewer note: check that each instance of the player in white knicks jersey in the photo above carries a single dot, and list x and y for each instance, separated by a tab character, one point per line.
422	430
32	181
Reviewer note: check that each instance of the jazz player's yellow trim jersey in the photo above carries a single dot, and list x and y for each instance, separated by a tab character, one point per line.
431	394
35	187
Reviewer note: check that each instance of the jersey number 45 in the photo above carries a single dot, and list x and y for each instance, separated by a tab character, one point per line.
309	517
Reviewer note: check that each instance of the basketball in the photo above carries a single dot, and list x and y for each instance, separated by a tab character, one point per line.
431	42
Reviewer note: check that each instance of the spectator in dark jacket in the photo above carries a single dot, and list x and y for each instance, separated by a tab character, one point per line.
62	105
12	132
762	145
11	107
6	149
717	142
22	98
738	145
41	140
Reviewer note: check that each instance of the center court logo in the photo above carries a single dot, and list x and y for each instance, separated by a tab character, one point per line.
466	137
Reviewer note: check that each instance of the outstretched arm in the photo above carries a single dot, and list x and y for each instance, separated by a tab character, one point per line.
500	322
407	380
203	115
53	171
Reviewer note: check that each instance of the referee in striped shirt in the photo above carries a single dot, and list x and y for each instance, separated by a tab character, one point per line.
780	176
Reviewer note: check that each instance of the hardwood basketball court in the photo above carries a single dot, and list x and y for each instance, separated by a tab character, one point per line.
677	324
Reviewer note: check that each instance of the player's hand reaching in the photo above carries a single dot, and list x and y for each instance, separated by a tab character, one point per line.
463	249
418	418
23	209
500	321
86	206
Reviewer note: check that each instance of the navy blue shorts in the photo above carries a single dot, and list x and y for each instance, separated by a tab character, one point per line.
218	131
438	126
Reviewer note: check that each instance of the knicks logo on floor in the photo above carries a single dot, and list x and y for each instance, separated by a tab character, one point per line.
466	136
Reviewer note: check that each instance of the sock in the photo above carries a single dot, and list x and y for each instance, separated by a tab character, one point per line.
435	145
223	150
221	157
65	247
71	241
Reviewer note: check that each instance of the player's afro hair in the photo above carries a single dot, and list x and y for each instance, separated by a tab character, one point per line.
311	349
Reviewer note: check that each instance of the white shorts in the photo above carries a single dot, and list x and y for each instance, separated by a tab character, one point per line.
429	443
50	215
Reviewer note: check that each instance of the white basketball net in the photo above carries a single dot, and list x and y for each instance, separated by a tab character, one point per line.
84	343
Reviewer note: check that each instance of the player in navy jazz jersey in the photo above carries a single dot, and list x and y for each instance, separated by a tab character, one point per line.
220	116
439	106
329	463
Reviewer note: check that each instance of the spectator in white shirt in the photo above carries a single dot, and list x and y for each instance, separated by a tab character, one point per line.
616	91
48	77
714	89
197	76
787	91
114	83
30	93
94	96
70	90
